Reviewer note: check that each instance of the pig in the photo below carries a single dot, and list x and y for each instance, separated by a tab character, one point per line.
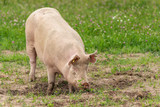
59	47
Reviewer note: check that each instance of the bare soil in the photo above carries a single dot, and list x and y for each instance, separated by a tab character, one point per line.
120	86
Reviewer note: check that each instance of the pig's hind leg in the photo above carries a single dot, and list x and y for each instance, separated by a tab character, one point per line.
51	71
32	56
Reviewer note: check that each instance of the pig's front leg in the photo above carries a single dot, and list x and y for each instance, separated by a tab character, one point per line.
51	79
71	88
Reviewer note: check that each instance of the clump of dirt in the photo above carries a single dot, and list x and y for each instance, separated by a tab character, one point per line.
14	92
130	73
58	104
62	84
112	93
77	101
113	82
122	82
2	92
62	87
140	75
138	94
39	88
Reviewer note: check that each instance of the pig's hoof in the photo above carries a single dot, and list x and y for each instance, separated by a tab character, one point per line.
32	78
50	88
49	92
71	90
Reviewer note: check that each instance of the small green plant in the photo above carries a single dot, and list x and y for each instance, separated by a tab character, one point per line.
50	105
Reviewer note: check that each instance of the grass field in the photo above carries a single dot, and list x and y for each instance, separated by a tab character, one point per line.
125	33
112	26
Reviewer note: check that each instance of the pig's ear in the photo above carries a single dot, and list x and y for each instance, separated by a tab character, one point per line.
92	57
74	60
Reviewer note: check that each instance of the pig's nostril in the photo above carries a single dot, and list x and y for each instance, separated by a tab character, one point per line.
85	85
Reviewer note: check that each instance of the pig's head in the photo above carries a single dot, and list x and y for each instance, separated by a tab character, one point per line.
77	68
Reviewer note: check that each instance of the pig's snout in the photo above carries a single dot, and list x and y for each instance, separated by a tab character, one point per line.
85	85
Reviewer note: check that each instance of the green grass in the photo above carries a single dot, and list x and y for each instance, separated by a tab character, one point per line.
14	58
111	26
115	60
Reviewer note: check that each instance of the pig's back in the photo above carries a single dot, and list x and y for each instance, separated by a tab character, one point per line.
44	24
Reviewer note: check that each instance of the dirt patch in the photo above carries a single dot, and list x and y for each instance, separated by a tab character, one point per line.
2	92
141	74
138	94
118	80
37	88
58	104
120	86
101	57
132	56
129	73
8	52
122	82
130	95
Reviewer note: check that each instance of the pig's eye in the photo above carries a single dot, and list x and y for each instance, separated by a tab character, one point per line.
74	73
75	69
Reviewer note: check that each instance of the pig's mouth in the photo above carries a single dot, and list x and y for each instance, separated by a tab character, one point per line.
84	86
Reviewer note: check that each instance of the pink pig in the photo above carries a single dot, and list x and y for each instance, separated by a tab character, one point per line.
59	47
